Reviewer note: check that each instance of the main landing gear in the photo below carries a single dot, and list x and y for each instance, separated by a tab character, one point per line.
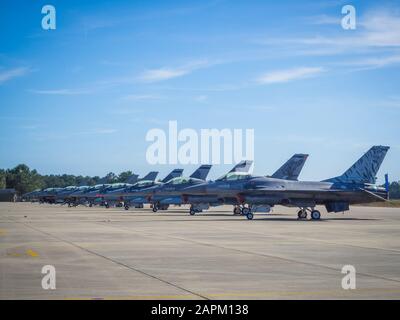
246	211
315	214
237	210
193	210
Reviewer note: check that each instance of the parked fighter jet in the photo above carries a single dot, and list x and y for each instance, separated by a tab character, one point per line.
355	186
63	194
48	195
76	197
129	195
108	195
161	196
32	196
290	170
92	195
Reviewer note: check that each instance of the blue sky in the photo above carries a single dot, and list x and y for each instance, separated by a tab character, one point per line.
80	99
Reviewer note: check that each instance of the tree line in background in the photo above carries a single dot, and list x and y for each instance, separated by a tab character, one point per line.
24	180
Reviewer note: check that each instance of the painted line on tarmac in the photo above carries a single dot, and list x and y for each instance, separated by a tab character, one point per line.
117	262
290	260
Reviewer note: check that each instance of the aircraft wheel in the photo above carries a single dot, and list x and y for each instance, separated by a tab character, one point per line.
302	214
192	212
126	207
90	205
155	208
315	215
249	216
236	210
245	211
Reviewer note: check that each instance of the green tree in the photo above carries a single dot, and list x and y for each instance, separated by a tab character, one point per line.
394	190
22	179
111	177
123	176
2	179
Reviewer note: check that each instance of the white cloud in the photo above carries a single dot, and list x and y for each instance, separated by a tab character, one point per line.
287	75
97	131
12	73
141	97
376	31
201	98
60	92
374	62
166	73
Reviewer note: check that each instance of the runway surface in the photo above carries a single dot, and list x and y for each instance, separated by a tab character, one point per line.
111	253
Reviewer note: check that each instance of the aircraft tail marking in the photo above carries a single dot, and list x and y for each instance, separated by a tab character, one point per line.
152	175
173	174
364	170
201	172
132	179
291	169
242	166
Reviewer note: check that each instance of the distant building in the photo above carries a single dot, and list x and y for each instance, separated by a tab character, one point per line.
8	195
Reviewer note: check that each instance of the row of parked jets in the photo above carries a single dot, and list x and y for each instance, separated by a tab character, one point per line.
247	193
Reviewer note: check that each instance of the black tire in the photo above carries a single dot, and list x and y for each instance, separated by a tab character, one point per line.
245	211
155	209
302	214
192	212
249	216
126	207
236	210
315	215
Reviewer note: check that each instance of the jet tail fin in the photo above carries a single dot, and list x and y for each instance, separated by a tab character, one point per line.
242	166
132	179
173	174
364	170
201	172
150	176
291	169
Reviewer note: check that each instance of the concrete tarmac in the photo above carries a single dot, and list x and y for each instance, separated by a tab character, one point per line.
111	253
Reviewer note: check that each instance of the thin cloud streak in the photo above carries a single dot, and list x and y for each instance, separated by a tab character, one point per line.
9	74
62	92
166	73
287	75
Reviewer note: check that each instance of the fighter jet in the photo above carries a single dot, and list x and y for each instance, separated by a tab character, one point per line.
164	195
109	195
32	196
354	186
290	170
93	195
129	194
48	195
76	197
